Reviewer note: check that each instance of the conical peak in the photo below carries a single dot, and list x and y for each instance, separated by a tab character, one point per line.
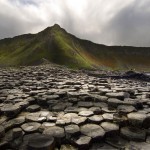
51	29
56	26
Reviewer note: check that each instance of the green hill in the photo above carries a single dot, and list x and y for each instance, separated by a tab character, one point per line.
60	47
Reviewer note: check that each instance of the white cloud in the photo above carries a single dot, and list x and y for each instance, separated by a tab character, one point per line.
113	22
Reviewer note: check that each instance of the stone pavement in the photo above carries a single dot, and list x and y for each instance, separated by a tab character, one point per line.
52	108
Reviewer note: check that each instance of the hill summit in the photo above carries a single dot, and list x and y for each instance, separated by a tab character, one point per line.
58	46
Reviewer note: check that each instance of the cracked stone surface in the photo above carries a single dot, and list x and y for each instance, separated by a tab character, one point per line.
68	109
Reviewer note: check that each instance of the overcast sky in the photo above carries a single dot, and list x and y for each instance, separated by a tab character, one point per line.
111	22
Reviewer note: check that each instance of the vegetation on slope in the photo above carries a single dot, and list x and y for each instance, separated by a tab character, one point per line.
60	47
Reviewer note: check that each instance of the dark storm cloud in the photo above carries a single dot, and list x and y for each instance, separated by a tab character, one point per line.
131	25
114	22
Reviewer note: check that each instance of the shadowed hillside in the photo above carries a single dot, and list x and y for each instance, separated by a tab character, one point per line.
60	47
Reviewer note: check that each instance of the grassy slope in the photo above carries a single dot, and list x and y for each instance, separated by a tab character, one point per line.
52	44
118	57
60	47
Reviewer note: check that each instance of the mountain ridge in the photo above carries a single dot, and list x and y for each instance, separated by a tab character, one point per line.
58	46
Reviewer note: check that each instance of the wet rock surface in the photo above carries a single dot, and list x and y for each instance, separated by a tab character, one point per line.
47	107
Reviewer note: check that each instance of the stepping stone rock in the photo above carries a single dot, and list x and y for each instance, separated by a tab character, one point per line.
31	100
46	125
124	109
96	119
79	120
110	127
70	115
22	104
108	116
61	94
17	132
119	95
113	102
51	118
26	139
92	130
87	98
98	98
71	130
44	113
96	110
108	110
59	107
120	119
82	109
71	110
31	127
100	104
75	94
85	104
33	108
134	102
10	110
136	119
52	102
60	122
14	123
132	133
55	131
86	113
42	101
35	117
82	142
41	142
52	97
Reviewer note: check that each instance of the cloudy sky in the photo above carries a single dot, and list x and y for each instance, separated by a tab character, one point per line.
111	22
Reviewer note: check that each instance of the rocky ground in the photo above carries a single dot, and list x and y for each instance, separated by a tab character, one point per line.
51	108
